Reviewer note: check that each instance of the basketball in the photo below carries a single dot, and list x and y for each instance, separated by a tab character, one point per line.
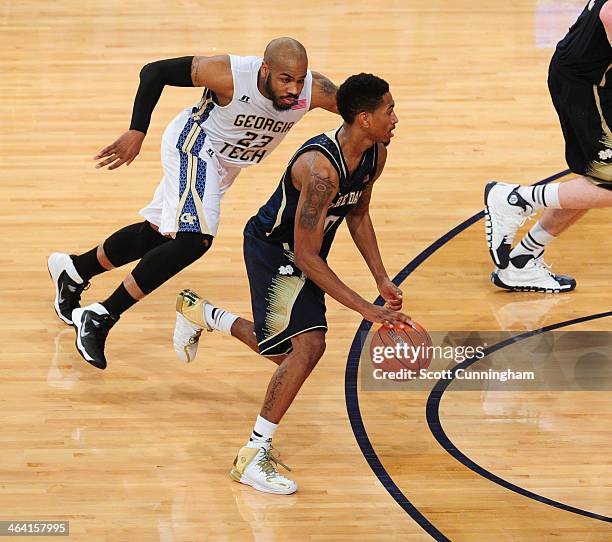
399	354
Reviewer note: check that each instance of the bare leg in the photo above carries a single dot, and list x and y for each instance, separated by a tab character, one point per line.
580	193
556	221
132	288
103	258
576	197
308	348
243	330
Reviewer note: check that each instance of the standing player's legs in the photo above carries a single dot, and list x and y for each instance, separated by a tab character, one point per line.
582	111
255	463
185	209
289	319
308	349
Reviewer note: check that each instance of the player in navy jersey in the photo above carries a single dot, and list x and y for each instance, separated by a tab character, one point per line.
286	245
248	106
581	91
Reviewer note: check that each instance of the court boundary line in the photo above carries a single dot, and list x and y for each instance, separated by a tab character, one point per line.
352	368
432	410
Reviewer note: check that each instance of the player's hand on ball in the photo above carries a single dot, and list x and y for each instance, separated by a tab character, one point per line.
122	151
386	316
391	294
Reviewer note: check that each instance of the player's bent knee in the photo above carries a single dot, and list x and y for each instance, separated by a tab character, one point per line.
169	259
310	346
189	247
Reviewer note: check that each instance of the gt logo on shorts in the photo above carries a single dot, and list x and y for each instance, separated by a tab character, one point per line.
188	218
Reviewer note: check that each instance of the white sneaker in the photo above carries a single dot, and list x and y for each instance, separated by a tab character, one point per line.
189	325
68	285
256	467
505	212
536	276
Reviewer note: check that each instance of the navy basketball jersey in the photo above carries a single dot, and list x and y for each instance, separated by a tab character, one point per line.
275	220
585	52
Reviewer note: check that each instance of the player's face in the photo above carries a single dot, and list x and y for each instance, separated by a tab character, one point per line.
383	120
284	86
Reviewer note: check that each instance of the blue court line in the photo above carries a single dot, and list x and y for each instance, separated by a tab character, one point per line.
435	425
352	368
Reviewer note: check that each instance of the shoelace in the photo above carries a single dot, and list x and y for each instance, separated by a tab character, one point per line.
526	218
78	289
81	290
541	264
516	221
106	321
269	461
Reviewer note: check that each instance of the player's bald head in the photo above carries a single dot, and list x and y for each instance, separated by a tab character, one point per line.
284	53
283	73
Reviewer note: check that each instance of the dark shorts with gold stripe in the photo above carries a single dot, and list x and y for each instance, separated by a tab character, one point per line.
285	303
585	115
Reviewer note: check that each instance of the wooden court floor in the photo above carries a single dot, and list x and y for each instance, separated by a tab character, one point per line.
141	451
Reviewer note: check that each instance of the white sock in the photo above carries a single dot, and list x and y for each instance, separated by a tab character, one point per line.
219	319
262	433
539	196
531	246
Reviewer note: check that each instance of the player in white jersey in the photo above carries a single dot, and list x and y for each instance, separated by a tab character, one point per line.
248	106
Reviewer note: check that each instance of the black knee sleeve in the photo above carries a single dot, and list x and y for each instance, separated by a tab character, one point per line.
165	261
132	243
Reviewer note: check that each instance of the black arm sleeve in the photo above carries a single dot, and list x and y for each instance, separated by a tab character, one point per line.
153	77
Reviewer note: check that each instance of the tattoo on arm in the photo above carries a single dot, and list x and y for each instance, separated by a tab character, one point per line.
318	193
327	87
195	65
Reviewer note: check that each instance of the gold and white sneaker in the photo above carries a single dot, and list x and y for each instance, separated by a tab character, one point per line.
189	325
256	467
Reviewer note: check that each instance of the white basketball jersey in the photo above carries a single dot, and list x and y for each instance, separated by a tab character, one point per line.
248	129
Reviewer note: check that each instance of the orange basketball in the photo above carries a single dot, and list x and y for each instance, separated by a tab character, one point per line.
399	354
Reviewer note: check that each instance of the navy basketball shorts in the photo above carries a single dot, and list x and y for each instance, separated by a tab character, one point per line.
285	303
585	115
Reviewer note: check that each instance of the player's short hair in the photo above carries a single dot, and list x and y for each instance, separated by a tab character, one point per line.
362	92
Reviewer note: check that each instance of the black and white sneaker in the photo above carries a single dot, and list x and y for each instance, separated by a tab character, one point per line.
92	324
505	212
68	285
535	276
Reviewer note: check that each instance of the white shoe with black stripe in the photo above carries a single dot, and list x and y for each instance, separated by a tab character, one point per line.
505	212
534	276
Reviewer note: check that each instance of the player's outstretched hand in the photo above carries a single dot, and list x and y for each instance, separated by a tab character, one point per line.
391	294
122	151
386	316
